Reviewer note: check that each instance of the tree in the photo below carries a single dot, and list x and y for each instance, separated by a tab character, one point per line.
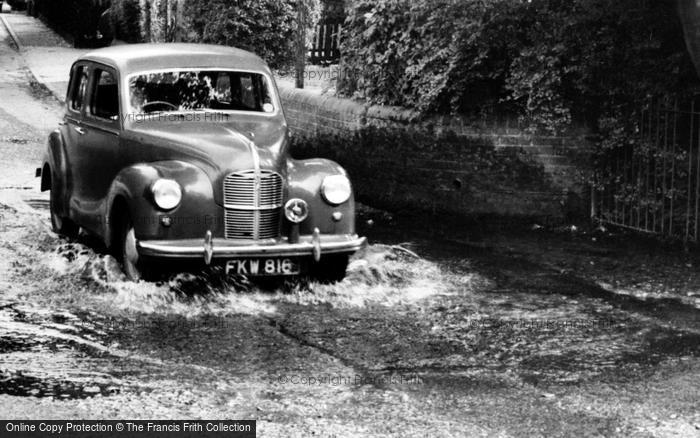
689	13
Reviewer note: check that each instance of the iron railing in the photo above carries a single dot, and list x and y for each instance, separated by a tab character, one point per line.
651	183
325	48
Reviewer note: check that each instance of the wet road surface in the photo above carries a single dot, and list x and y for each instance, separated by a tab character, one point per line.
471	335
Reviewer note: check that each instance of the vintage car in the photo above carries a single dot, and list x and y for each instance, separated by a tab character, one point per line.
87	23
174	152
15	4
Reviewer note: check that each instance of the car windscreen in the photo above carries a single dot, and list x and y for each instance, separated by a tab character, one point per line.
195	90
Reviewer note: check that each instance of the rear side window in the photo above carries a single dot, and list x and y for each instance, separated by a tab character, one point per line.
79	88
105	96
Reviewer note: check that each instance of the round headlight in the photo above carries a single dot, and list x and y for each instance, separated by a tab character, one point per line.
166	193
336	189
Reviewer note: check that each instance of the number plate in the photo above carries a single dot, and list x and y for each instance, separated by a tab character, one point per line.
263	267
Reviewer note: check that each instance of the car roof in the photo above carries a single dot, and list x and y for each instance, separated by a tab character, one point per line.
131	58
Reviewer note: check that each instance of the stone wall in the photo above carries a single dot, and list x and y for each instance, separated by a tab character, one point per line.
442	164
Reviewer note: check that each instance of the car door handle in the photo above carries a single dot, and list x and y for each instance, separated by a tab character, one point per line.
79	130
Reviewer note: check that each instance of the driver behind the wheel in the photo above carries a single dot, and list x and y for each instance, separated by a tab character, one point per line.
138	95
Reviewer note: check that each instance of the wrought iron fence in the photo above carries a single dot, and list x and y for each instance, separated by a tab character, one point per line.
325	47
652	182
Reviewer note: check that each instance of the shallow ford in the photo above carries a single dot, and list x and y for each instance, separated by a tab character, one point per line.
180	152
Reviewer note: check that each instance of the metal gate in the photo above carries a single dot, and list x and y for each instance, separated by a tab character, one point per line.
652	182
325	48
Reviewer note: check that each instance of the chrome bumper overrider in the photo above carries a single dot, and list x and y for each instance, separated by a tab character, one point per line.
209	248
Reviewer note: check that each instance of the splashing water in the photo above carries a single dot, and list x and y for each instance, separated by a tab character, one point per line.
380	275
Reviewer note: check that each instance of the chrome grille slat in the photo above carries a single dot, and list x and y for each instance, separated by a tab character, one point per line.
251	214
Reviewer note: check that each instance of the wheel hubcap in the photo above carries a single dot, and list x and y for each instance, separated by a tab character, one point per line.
57	222
131	255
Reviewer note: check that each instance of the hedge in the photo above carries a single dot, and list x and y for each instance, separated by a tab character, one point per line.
550	60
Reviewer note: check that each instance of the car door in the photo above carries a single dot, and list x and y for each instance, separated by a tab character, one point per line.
72	131
99	141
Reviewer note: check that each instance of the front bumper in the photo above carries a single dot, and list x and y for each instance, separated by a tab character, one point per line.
315	245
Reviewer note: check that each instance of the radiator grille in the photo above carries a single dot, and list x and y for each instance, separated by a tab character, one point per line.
252	204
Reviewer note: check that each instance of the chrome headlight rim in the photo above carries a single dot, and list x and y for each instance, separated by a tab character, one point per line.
167	193
296	210
336	189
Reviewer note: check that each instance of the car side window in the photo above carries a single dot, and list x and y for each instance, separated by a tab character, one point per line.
80	82
105	95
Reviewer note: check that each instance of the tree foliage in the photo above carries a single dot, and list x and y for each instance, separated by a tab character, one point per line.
553	61
266	27
127	15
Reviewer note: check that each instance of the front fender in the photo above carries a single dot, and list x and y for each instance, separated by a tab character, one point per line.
195	215
305	179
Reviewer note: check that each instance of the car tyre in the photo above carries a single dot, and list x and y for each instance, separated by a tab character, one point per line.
330	269
60	224
134	266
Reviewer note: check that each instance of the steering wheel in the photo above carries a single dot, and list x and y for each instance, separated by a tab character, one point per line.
159	102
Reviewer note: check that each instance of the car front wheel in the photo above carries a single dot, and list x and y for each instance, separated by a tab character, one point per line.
133	264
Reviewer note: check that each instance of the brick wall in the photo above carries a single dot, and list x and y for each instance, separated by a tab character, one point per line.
443	164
